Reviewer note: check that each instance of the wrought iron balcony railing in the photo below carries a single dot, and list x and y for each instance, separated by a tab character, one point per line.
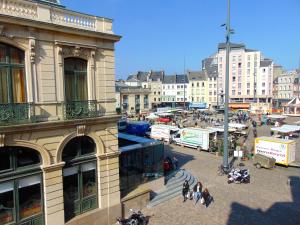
81	109
16	113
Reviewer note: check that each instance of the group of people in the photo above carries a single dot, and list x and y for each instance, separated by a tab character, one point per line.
196	193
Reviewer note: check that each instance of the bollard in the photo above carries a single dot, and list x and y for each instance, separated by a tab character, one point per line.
288	182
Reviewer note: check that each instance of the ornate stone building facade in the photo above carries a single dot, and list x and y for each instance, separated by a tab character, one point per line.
58	137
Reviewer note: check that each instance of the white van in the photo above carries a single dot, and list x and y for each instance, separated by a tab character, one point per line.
195	138
164	132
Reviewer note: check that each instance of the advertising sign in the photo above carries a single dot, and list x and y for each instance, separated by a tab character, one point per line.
275	150
196	137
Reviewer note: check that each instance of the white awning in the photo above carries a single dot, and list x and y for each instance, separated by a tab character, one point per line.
276	116
237	125
286	129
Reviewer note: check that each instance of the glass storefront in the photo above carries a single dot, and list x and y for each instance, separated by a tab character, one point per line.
21	195
141	160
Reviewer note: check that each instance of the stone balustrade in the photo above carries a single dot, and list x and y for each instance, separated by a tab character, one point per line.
54	15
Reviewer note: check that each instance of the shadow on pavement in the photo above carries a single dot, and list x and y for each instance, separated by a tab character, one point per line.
287	213
181	157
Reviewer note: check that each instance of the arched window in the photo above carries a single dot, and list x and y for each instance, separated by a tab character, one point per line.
75	79
79	177
21	192
12	75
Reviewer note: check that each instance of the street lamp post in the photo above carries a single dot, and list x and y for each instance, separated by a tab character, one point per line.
225	153
184	91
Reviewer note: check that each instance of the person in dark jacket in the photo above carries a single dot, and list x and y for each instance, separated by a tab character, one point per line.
185	190
197	191
206	197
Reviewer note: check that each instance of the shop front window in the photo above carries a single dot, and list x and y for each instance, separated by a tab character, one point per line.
79	177
21	187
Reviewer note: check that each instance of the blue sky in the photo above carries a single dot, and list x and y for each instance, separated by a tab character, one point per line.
160	34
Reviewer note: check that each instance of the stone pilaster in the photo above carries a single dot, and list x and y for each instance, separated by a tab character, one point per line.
53	195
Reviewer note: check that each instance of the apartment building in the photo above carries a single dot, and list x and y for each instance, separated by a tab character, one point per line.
175	90
132	99
198	87
59	158
153	81
250	74
286	87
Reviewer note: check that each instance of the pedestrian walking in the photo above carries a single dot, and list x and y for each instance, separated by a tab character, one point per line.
206	198
185	190
197	191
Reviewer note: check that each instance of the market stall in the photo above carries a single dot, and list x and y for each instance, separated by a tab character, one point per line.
292	108
286	131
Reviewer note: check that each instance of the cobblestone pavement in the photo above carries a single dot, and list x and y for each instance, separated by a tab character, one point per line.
267	200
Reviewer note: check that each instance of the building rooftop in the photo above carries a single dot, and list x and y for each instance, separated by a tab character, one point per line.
196	75
181	79
157	75
170	79
266	63
232	45
210	66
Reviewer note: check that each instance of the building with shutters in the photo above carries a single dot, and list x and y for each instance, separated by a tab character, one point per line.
59	158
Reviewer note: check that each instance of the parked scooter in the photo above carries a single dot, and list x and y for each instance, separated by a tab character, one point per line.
239	176
136	218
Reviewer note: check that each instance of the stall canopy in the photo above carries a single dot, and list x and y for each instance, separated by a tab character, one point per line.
152	116
292	108
286	129
277	117
239	105
237	125
197	105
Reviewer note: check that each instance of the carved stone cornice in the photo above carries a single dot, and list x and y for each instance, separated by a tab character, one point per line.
76	51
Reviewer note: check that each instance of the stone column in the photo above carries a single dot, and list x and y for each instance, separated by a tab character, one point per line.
109	185
53	194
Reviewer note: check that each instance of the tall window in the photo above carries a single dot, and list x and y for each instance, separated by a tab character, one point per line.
79	177
75	79
21	189
12	75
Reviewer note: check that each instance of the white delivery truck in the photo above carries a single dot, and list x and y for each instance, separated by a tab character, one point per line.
195	138
163	132
284	151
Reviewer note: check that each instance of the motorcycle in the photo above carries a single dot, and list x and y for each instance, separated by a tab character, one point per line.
136	218
238	176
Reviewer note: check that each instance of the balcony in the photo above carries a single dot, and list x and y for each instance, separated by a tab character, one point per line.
16	113
54	15
81	109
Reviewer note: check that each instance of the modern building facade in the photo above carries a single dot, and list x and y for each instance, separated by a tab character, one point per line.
59	158
250	74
